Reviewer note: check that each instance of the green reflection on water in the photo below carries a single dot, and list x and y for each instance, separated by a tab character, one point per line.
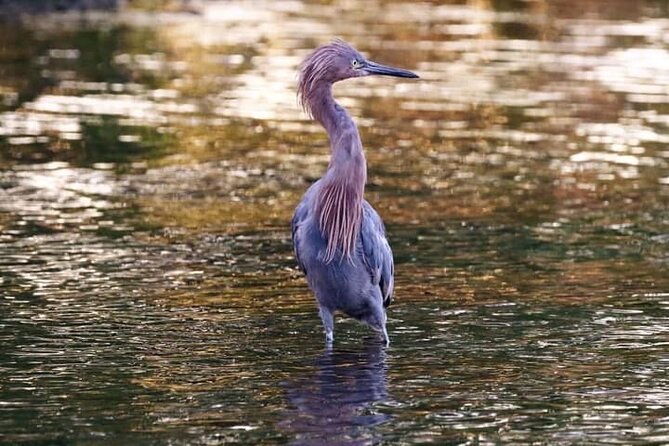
101	140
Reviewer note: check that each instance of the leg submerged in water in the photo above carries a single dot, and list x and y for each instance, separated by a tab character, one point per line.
384	336
377	322
328	324
381	329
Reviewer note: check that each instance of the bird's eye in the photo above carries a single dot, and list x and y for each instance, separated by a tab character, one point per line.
355	63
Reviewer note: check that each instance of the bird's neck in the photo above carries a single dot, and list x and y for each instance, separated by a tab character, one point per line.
347	159
326	110
341	192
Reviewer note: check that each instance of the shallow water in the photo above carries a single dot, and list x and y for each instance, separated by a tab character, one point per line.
149	166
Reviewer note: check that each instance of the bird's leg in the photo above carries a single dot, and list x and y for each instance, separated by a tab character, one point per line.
328	324
384	333
386	339
381	329
377	322
384	336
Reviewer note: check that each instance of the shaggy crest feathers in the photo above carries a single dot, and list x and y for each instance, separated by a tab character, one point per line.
316	67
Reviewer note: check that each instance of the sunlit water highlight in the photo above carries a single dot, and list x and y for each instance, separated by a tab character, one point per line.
150	163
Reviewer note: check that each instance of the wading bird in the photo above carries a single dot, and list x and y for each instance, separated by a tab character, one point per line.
339	239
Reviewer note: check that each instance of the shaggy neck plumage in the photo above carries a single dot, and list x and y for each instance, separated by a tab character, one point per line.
339	205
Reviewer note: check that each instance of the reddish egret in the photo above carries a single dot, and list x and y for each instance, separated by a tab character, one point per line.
339	239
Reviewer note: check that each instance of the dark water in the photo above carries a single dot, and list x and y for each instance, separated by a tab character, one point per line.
149	165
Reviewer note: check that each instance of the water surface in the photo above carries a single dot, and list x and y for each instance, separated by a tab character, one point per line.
150	162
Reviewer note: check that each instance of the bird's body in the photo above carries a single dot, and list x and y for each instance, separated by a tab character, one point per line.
339	239
360	286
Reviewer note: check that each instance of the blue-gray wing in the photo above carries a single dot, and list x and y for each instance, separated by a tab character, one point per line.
377	253
299	217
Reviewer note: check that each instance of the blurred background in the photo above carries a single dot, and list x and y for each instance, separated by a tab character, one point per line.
152	153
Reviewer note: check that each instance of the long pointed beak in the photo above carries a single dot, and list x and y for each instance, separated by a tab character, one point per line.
384	70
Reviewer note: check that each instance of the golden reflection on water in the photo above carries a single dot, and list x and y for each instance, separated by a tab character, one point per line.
533	111
460	125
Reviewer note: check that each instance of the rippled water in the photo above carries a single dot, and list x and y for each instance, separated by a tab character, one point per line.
150	162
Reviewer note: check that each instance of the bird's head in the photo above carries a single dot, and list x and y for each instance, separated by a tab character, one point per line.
335	62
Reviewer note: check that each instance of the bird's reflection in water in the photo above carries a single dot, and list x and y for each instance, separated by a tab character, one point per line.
333	404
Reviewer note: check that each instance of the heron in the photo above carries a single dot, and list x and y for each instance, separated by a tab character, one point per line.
339	239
